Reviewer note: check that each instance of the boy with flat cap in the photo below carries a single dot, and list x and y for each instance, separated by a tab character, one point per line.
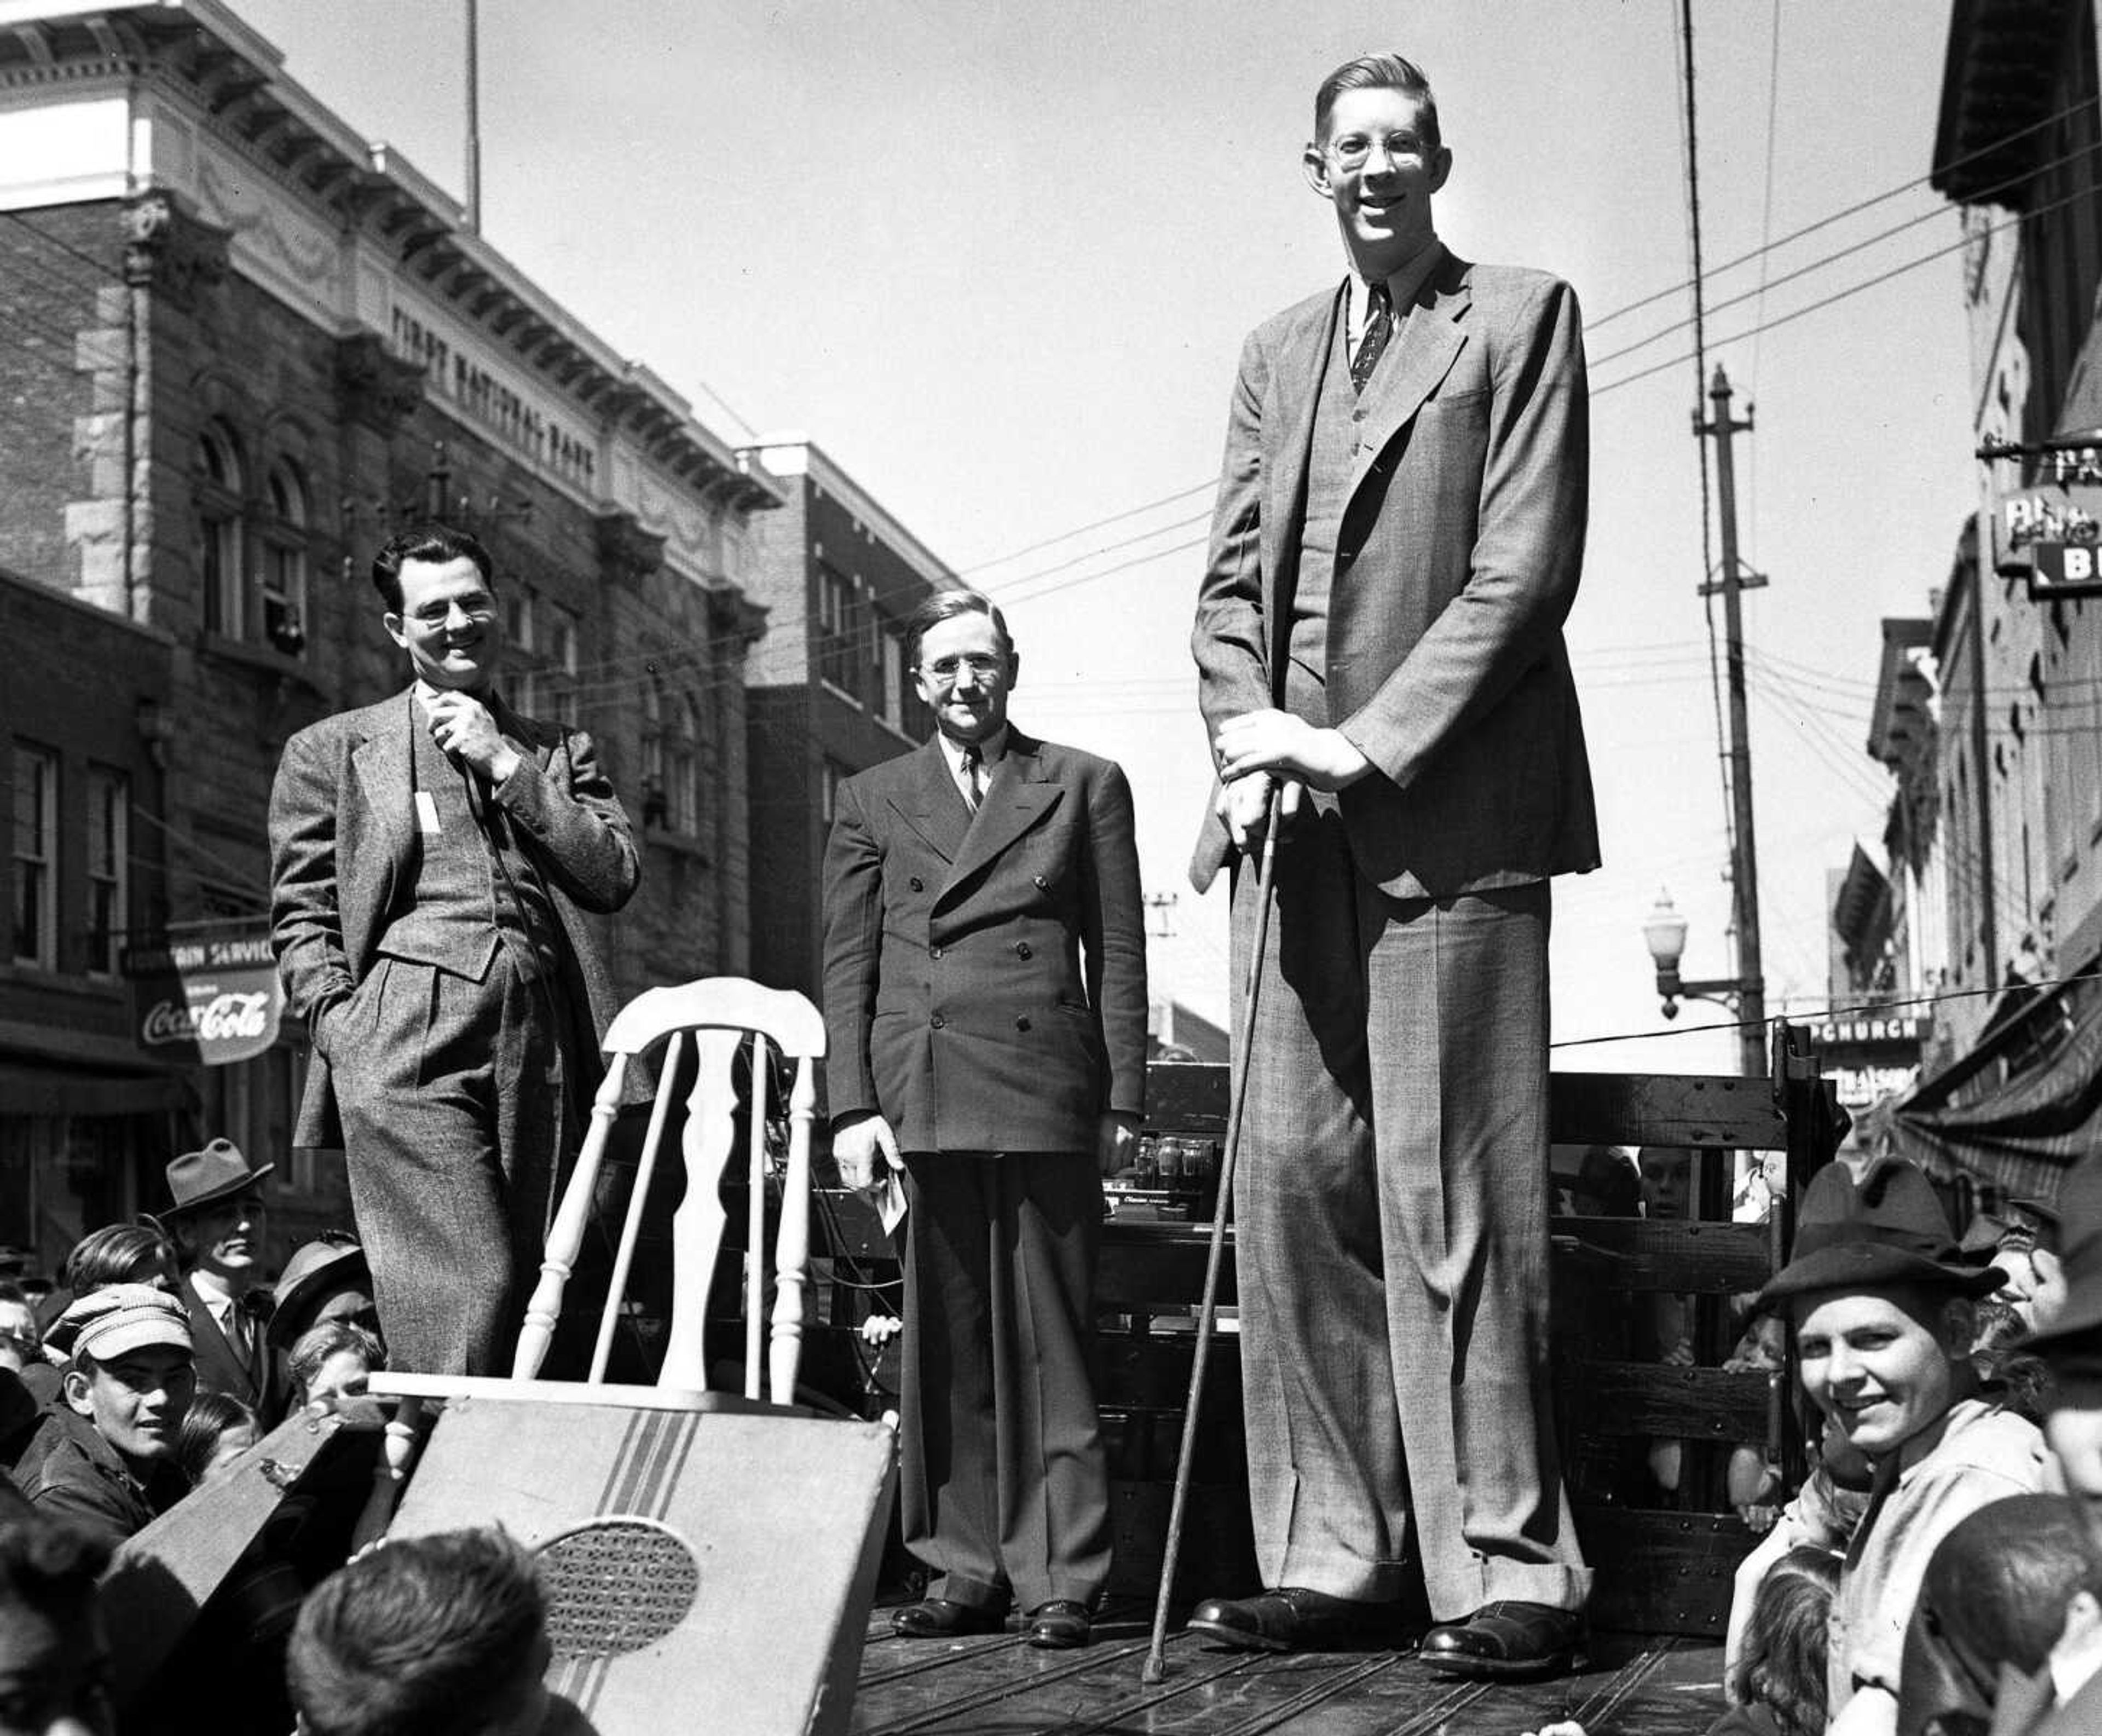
1881	1304
110	1465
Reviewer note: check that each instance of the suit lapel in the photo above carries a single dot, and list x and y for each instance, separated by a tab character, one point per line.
1019	795
1301	360
1426	350
210	1344
384	766
539	743
931	804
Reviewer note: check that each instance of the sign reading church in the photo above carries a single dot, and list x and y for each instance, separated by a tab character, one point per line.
209	1001
1868	1055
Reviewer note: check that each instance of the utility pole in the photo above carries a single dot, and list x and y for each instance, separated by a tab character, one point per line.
1743	857
473	121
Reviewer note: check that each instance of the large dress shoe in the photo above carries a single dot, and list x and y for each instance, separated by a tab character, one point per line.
938	1619
1059	1626
1508	1642
1289	1619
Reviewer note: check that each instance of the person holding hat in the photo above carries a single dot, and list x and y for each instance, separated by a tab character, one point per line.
219	1221
1880	1302
110	1466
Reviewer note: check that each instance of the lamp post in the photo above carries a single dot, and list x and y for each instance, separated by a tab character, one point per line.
1665	932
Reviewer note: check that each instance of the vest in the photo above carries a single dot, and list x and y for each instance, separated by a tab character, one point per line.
473	889
1338	418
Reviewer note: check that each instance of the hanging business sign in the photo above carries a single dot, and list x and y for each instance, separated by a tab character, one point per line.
2050	533
1868	1055
210	1001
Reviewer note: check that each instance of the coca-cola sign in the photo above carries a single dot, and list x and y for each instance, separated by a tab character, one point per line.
216	1001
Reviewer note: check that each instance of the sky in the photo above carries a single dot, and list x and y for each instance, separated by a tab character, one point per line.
997	257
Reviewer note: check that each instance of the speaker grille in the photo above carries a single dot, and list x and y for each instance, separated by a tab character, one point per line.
615	1586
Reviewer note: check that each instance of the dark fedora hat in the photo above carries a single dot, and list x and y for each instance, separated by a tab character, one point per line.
2080	1232
218	1171
1888	1228
314	1268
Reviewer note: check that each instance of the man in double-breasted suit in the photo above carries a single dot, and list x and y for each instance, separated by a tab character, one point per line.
430	857
1399	531
985	1011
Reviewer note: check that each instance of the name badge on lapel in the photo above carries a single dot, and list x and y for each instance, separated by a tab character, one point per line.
426	814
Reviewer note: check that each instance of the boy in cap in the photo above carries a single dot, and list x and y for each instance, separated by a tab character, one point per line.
109	1466
1880	1303
219	1221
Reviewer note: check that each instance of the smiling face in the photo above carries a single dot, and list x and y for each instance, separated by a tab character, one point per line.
964	674
449	624
1378	164
1883	1364
137	1401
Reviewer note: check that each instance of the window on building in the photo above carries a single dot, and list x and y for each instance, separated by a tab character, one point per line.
220	500
681	762
35	856
656	809
108	867
895	690
840	659
285	563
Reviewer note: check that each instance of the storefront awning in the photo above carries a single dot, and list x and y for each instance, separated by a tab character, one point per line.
2023	1105
60	1091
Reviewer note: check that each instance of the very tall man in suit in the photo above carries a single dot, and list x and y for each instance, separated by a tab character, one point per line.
430	857
1397	539
985	1008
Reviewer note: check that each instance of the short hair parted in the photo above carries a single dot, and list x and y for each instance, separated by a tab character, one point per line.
116	1254
317	1344
47	1564
434	543
946	606
1377	72
417	1637
210	1416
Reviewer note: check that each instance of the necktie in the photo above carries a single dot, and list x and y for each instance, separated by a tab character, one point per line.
974	775
1379	327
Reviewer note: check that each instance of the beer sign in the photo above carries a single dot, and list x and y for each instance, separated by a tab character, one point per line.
209	1001
2064	569
2051	535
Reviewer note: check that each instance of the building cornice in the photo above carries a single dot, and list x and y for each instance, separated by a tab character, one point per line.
794	455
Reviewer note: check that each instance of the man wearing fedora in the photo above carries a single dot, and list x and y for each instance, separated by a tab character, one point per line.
219	1221
325	1280
432	859
1881	1303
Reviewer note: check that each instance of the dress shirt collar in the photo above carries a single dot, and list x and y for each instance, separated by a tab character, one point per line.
1402	288
990	751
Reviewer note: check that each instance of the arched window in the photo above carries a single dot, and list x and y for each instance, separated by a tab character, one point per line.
684	772
285	562
221	492
654	811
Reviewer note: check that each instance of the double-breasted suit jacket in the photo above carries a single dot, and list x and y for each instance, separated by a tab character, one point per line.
985	991
1461	539
344	842
985	979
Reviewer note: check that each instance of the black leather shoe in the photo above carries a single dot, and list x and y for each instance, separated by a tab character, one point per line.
1289	1619
1059	1626
938	1619
1508	1642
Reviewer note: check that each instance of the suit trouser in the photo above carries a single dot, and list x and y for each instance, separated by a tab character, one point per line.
1391	1205
451	1094
1004	1483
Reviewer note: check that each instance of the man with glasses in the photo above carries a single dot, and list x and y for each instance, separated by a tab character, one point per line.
432	858
985	1010
1397	535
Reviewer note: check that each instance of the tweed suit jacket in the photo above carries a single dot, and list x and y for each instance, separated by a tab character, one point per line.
1457	557
343	845
985	976
2026	1705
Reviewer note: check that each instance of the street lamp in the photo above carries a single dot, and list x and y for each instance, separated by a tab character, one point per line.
1665	932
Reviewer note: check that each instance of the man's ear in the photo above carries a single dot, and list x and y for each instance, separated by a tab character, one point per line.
1313	164
76	1388
395	630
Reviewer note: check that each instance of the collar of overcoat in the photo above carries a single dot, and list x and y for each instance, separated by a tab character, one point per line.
1022	792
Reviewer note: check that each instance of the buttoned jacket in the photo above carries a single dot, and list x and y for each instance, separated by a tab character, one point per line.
1460	543
984	975
344	845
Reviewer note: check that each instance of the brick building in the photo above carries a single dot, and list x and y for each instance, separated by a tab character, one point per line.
831	692
239	345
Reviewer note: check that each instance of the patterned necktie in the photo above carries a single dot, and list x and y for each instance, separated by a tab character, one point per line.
1379	327
974	775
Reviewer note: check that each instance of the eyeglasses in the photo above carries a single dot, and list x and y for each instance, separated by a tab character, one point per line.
1355	150
945	669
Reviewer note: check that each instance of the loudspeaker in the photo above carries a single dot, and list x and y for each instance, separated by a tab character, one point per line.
722	1558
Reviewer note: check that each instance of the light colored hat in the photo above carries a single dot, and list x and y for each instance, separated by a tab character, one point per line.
109	1323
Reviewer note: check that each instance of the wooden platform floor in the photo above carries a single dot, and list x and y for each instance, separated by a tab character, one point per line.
994	1685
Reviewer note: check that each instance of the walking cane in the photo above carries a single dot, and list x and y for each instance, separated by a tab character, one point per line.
1155	1668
